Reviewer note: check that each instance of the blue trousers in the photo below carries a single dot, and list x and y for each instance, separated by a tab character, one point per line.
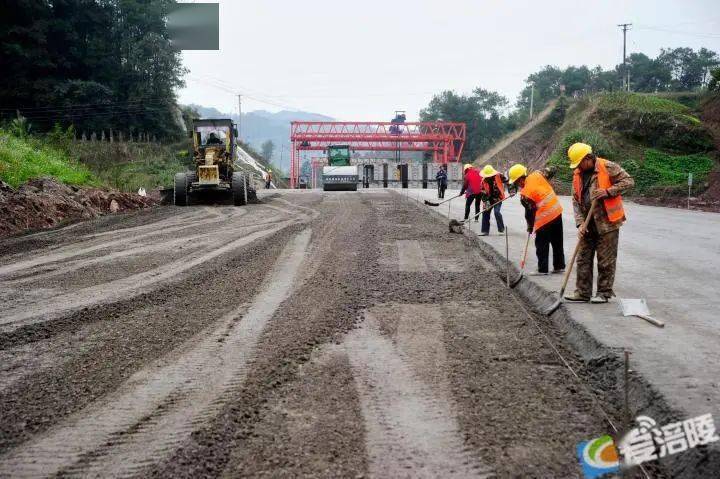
485	226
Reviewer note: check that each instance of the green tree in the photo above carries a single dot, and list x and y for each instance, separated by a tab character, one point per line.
575	79
267	149
189	114
95	64
709	61
714	84
603	80
547	86
689	69
646	74
482	112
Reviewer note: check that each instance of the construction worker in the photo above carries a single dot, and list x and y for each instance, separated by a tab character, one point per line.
493	190
597	179
543	214
442	179
213	139
472	188
268	179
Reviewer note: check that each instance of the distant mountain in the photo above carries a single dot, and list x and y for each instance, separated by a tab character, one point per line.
260	125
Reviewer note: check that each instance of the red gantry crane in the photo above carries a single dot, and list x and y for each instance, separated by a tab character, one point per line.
444	139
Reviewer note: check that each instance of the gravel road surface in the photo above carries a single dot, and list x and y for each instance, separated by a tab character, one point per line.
313	334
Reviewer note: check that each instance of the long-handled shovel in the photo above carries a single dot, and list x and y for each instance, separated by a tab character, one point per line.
585	224
432	203
522	263
455	223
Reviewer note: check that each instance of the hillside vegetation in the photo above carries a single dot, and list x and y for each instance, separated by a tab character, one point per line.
658	140
129	166
23	158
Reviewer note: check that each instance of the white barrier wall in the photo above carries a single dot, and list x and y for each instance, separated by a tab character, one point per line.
415	170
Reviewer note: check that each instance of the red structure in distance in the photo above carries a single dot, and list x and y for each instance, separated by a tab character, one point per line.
445	140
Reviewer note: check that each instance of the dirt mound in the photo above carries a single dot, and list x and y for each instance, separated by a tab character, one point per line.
45	203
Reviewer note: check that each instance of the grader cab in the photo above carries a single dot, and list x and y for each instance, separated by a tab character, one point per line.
214	154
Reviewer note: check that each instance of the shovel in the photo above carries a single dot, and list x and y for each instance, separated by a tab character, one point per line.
639	308
585	224
522	263
432	203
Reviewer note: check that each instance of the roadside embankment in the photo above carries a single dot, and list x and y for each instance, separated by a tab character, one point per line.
46	203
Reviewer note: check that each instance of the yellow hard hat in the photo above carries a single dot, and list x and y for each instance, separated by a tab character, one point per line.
577	152
516	171
487	171
467	165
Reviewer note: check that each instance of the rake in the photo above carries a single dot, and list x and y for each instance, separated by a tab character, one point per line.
458	224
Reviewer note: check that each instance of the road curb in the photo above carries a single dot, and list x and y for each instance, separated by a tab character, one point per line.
605	366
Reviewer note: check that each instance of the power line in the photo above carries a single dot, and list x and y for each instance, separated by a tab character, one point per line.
680	32
151	100
221	85
127	112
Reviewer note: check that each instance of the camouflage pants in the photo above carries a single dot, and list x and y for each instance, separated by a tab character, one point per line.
605	246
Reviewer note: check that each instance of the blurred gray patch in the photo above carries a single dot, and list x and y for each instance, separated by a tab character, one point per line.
195	26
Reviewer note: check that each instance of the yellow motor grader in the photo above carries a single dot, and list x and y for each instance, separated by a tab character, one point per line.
214	154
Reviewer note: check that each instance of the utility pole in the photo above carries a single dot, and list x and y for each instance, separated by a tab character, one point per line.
532	97
239	117
626	77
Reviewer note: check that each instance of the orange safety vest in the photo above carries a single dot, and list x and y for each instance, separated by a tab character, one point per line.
538	190
613	205
498	183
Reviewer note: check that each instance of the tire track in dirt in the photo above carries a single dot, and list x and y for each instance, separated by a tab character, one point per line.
218	236
157	408
72	361
65	253
46	310
411	431
183	218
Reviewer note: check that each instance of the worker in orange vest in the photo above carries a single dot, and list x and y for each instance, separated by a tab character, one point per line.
543	214
493	191
597	179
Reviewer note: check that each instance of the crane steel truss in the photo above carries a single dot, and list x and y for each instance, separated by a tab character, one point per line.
444	139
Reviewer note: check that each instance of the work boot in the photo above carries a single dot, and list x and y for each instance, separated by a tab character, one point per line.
558	271
539	273
576	298
599	299
483	234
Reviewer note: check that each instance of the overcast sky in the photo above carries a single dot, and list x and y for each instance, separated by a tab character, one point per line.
364	59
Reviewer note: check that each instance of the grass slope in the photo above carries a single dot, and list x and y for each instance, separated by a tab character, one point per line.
130	166
658	140
24	158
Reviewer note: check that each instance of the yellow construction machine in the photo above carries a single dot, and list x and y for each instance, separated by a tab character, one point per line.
214	155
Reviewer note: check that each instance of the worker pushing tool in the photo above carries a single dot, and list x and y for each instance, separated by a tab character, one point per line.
493	191
596	179
472	188
543	214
